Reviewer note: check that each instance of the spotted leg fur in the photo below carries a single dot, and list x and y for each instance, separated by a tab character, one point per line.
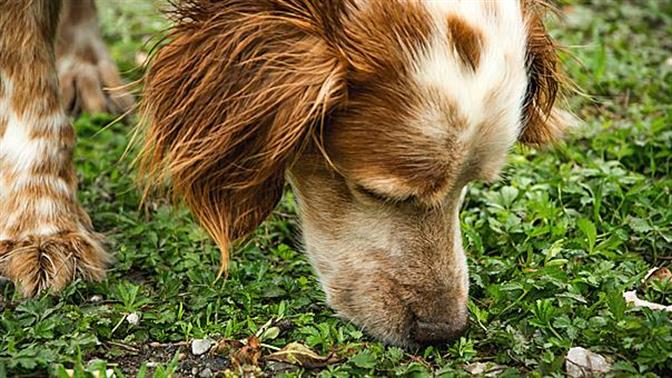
46	238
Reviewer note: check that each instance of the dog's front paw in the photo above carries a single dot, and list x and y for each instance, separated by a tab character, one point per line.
37	263
47	252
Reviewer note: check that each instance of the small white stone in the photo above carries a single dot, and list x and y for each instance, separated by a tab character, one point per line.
133	318
581	362
484	369
205	373
201	346
96	298
109	373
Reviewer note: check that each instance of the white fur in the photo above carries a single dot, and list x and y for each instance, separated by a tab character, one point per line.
20	153
501	70
57	184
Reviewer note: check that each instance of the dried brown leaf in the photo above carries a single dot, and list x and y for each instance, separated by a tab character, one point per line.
240	353
658	274
249	354
300	355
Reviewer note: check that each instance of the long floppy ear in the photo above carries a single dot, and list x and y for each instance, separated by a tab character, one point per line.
543	123
231	99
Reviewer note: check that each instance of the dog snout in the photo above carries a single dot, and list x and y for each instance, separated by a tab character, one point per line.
438	330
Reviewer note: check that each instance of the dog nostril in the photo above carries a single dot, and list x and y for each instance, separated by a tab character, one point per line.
435	332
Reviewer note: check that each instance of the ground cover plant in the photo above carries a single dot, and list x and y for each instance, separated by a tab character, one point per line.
552	247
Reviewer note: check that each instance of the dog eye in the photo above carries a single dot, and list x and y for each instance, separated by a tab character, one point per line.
372	194
376	196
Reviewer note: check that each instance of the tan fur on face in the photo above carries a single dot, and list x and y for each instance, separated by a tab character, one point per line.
385	266
380	112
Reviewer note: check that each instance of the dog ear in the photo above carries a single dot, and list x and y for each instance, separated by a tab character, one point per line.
543	123
231	99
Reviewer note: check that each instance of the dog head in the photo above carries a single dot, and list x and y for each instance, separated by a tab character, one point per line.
378	113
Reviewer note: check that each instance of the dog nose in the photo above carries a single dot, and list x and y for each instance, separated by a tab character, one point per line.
430	333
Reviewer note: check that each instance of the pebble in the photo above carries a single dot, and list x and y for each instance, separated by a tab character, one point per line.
133	318
581	362
485	369
201	346
205	373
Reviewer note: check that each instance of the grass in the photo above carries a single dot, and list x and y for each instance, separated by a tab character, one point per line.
551	247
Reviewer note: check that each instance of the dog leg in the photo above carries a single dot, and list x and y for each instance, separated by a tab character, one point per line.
46	238
90	81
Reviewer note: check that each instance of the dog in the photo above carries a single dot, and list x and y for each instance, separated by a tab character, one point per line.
378	113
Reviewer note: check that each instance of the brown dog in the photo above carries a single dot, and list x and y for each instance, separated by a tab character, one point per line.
378	112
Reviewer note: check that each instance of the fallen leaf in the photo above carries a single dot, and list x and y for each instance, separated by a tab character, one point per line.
581	362
631	298
300	355
226	346
248	354
658	274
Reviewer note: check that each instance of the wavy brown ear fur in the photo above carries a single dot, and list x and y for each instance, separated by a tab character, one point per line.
542	122
231	99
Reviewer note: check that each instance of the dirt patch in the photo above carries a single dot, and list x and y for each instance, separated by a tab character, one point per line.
130	358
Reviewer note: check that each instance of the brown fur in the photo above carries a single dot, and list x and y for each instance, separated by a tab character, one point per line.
342	97
243	93
467	41
541	125
51	262
28	54
271	75
3	124
381	92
